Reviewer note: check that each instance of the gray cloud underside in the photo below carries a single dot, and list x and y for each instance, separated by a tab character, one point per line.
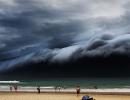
62	30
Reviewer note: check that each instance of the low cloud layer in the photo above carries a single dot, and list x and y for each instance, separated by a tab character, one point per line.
59	31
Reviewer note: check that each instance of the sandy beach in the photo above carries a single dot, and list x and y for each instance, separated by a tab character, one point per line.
49	93
57	96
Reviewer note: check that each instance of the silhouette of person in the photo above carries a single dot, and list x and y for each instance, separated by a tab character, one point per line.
78	90
15	88
59	88
10	88
38	90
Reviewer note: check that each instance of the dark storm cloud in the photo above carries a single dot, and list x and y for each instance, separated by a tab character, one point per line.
59	31
96	47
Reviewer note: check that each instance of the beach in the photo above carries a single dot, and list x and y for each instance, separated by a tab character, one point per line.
66	90
50	93
57	96
52	89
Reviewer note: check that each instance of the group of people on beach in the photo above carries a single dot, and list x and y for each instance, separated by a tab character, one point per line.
15	87
59	88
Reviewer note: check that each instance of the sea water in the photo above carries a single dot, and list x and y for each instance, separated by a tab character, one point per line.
82	82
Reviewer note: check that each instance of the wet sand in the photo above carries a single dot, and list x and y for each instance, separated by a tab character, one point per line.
57	96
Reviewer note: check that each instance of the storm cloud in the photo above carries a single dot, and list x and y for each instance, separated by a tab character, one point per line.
62	30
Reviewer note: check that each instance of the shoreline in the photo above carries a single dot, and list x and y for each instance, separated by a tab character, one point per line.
107	91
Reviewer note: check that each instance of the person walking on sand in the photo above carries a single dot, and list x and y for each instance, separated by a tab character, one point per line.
15	88
78	90
10	88
38	90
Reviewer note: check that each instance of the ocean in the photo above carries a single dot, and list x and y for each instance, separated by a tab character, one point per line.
82	82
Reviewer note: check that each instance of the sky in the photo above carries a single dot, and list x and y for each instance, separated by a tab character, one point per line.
60	31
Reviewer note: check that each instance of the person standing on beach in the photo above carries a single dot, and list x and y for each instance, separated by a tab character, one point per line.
38	90
59	88
78	90
10	88
15	88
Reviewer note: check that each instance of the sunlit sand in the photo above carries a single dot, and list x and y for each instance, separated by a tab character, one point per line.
57	96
